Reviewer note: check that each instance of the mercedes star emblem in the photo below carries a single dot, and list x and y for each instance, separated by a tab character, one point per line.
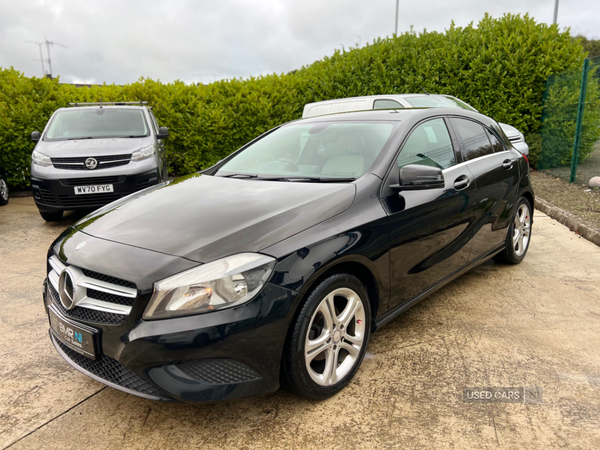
66	290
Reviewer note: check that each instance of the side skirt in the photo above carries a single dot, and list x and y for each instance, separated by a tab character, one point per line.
412	302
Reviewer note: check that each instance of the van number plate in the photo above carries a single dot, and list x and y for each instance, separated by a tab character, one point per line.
96	189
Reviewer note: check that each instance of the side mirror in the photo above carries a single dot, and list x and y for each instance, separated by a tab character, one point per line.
36	136
163	133
416	177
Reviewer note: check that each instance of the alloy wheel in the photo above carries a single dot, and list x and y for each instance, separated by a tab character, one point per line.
521	229
335	337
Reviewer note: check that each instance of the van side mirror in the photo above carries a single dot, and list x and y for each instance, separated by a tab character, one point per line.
416	177
163	133
36	136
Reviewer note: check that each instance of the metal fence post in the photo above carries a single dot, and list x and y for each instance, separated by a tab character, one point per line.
580	110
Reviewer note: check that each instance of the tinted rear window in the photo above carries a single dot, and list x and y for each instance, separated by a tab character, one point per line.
474	141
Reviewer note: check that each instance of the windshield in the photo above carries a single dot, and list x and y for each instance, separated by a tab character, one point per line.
100	123
437	101
326	150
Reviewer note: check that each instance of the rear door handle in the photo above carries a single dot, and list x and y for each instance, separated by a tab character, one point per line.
507	164
461	182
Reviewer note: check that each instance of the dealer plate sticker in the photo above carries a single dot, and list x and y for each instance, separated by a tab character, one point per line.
76	337
96	189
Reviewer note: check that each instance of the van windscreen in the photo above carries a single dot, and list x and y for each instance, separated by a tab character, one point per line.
98	123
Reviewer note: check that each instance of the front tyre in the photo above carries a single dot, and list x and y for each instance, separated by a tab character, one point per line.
519	234
329	337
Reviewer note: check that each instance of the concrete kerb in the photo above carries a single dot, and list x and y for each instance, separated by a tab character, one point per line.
571	221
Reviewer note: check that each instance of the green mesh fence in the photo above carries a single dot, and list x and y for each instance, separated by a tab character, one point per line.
570	129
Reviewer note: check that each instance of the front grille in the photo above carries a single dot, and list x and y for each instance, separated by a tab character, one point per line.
78	163
108	279
111	370
110	298
91	181
219	371
87	200
86	314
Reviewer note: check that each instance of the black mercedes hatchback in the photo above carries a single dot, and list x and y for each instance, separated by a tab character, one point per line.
275	265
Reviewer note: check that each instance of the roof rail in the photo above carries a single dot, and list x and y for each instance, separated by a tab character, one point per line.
140	103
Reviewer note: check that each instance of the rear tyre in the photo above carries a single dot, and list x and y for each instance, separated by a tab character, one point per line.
51	216
328	339
3	192
519	234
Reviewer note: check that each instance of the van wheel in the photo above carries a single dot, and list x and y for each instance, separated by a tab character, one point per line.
519	234
329	338
51	216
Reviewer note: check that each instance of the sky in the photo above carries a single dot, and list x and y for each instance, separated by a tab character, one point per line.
200	41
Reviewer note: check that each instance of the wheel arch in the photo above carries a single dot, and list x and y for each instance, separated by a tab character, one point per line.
530	198
355	267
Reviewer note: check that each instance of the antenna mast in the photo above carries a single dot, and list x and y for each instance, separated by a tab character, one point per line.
48	45
39	44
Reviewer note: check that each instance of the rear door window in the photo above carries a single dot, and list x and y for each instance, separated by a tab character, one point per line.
496	144
473	138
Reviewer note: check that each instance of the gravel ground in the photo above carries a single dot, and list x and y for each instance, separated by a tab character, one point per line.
575	198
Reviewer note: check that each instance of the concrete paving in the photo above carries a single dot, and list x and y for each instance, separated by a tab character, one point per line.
535	325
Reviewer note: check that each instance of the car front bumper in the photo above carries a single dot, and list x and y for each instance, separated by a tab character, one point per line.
211	357
59	195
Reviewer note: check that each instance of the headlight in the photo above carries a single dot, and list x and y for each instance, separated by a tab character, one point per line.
220	284
40	159
143	153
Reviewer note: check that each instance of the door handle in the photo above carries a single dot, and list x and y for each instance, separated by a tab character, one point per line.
461	182
507	164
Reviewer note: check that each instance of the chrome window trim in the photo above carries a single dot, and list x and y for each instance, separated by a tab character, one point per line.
481	158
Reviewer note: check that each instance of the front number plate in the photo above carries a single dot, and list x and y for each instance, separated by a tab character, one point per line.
96	189
73	336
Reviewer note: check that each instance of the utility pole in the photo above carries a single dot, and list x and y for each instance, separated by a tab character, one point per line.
555	11
39	44
397	5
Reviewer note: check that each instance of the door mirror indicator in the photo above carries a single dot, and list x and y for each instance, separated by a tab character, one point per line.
416	177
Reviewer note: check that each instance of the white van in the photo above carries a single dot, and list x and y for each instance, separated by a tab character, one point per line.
395	101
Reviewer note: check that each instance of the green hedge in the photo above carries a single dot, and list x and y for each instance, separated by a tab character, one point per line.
499	66
559	120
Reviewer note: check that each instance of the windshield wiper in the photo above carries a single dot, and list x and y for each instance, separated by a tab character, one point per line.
239	175
312	179
78	138
286	178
